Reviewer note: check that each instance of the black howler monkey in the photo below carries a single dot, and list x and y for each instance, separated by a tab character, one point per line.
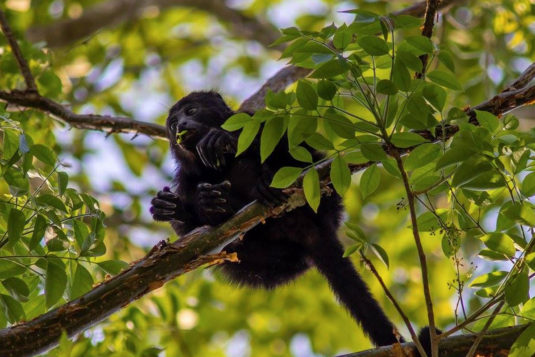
212	185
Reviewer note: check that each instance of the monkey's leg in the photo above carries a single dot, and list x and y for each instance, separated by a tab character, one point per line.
327	254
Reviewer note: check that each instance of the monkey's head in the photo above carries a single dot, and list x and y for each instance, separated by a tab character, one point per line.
192	117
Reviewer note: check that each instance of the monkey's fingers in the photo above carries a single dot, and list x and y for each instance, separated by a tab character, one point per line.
157	202
212	150
169	196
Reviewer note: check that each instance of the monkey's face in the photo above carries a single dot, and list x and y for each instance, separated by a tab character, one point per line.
192	117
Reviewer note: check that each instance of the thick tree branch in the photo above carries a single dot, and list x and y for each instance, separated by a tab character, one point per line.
495	343
111	13
523	80
21	61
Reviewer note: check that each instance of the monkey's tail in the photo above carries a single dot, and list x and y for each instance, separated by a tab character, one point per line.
351	290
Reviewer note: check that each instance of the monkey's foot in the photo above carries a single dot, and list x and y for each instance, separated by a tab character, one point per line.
266	194
213	202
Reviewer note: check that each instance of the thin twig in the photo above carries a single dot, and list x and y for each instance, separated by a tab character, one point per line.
481	334
394	302
421	253
21	61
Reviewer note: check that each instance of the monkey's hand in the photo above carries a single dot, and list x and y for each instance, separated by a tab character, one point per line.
167	206
266	194
213	204
213	147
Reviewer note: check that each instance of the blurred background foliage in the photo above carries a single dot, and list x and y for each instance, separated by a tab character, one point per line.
138	63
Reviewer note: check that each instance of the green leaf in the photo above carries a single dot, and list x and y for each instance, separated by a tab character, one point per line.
311	186
8	268
55	282
39	229
301	154
452	156
351	249
52	201
524	345
488	120
407	139
435	95
422	43
306	95
331	68
499	242
386	86
401	76
17	288
63	180
113	266
373	151
342	37
285	176
517	289
247	136
15	225
236	122
11	144
82	282
421	156
370	180
381	254
406	21
12	308
17	181
489	279
428	221
528	185
271	135
373	45
446	58
326	89
445	79
470	170
81	234
43	153
409	60
319	142
342	126
340	175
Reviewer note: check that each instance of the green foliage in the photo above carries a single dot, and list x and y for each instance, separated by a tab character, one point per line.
474	193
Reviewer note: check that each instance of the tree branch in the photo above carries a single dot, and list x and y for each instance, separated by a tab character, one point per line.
114	12
83	121
495	343
427	31
21	61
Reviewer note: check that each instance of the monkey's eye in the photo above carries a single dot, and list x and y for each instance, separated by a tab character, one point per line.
191	110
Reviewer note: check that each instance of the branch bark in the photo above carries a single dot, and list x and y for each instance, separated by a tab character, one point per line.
495	343
114	12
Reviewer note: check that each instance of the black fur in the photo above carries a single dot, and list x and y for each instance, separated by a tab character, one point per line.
212	185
